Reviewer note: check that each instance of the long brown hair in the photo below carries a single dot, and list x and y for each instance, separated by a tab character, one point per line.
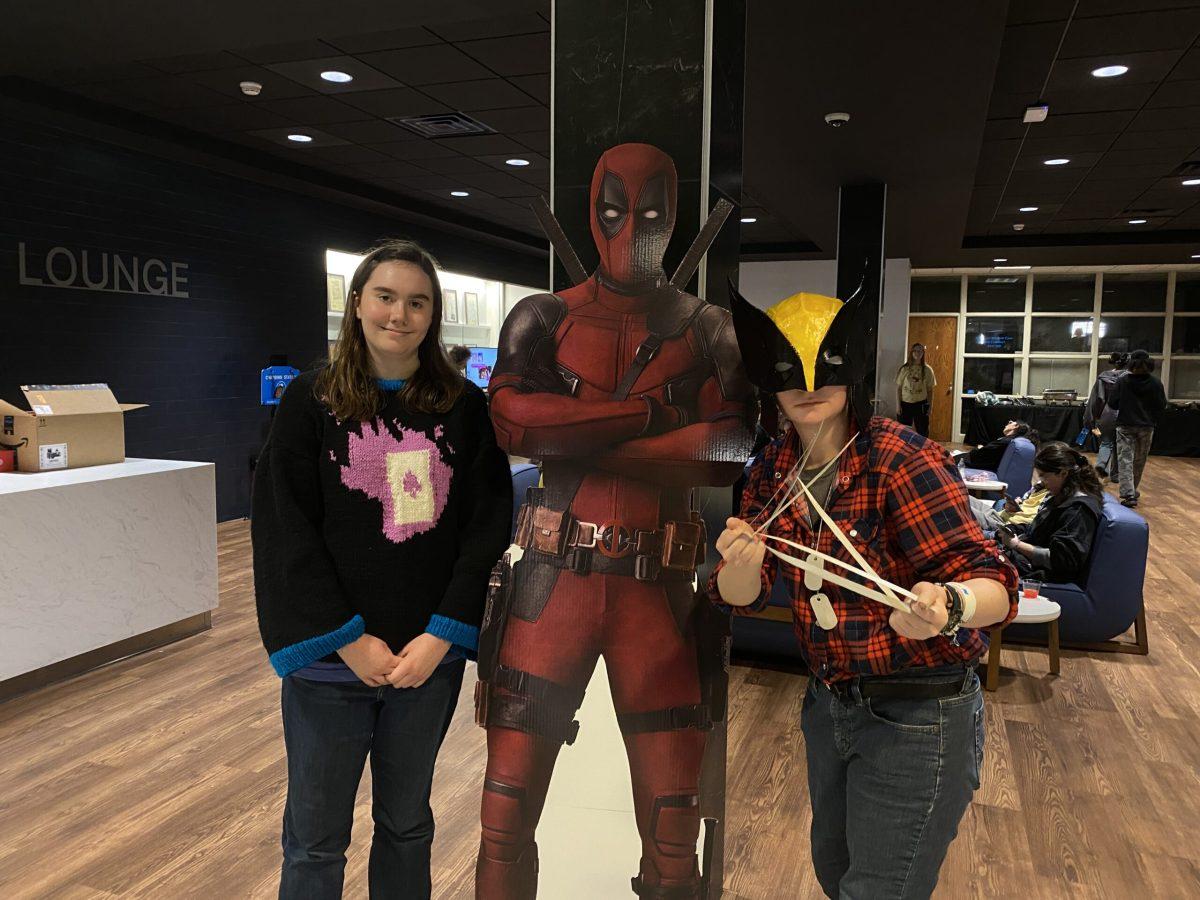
347	385
1059	459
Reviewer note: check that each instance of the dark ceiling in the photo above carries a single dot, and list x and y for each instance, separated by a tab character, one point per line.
935	90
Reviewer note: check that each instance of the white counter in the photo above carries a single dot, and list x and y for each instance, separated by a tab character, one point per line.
92	557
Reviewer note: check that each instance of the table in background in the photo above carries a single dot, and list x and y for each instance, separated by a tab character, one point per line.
1177	434
1030	611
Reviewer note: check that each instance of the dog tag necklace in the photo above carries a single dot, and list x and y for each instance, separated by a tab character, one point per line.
819	601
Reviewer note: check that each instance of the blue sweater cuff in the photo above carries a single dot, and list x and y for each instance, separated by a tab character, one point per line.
297	656
463	637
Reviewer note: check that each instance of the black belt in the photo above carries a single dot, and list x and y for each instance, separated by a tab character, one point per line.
901	687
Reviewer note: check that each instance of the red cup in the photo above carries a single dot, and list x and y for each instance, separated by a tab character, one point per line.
1030	590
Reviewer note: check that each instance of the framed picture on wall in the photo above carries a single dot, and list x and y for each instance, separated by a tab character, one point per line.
335	290
450	307
472	303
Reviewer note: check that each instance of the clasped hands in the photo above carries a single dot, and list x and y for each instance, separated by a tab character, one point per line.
372	660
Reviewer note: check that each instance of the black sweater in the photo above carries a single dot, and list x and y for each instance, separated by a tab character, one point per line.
1139	400
989	455
380	526
1063	533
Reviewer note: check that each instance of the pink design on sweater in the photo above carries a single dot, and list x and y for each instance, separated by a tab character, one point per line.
407	475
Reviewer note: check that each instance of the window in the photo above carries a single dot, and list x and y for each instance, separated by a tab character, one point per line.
1185	379
1000	376
934	294
1061	334
1064	293
1126	333
998	335
1059	375
1185	335
1134	293
996	293
1187	292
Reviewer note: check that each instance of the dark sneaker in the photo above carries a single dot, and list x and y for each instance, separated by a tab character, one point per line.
1101	472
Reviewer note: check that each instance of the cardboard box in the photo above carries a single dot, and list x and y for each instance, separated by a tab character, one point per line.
67	426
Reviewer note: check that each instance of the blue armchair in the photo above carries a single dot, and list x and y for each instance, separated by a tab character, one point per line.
1015	469
1109	599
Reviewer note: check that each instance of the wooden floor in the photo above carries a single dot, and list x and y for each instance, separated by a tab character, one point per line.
163	775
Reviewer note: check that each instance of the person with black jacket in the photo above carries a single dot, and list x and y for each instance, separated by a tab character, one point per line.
1140	401
1101	419
1058	542
988	456
381	503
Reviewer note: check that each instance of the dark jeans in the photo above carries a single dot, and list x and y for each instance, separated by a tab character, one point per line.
916	416
1133	447
889	781
329	729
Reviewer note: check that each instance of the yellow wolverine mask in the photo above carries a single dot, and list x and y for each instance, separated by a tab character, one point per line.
804	320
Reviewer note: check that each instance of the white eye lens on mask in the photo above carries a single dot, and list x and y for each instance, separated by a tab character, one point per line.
651	214
610	214
783	367
833	360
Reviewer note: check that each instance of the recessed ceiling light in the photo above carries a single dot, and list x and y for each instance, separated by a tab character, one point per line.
1055	162
1000	259
1196	256
1191	182
1137	221
300	138
337	77
460	194
516	162
1109	71
748	220
1029	209
1010	267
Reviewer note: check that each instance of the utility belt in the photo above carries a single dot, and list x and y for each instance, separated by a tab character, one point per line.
612	548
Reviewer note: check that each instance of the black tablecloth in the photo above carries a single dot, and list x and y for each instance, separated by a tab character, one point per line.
1178	434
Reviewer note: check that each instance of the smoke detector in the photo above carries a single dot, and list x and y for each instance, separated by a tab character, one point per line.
251	88
1019	226
837	119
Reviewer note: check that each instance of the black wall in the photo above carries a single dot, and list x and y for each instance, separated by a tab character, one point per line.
256	258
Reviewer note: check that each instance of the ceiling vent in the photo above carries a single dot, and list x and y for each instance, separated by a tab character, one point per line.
442	125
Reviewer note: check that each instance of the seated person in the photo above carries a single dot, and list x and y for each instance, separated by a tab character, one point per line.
1058	541
1017	514
988	456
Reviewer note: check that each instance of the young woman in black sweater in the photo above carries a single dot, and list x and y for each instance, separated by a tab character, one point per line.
1058	542
381	502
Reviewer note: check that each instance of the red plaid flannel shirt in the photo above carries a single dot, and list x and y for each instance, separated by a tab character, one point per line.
903	504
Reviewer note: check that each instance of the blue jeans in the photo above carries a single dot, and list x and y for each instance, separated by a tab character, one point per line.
889	781
329	730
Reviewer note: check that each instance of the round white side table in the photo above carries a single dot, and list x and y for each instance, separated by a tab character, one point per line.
1030	611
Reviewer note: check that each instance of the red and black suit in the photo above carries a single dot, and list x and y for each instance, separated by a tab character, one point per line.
630	392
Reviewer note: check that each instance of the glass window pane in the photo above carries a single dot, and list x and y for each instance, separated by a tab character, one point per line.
1134	293
1185	335
998	335
1000	376
1064	293
1126	333
935	294
996	293
1059	375
1061	335
1187	292
1185	379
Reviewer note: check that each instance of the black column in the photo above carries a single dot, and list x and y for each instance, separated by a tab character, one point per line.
862	215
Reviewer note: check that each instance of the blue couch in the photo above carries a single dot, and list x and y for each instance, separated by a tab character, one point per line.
1015	469
1109	599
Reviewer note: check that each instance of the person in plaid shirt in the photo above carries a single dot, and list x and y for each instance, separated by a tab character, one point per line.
888	610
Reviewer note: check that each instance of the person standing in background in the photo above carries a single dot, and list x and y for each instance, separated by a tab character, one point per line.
914	391
1101	419
1139	399
460	356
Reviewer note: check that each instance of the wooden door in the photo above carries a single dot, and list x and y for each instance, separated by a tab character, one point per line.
939	334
